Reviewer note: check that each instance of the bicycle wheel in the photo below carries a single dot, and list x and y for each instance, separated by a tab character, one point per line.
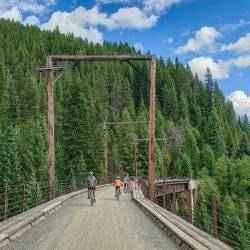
118	193
92	198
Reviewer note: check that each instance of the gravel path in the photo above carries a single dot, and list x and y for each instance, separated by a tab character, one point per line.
110	224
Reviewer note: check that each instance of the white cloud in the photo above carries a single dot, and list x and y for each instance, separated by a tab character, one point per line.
33	6
242	45
50	2
114	1
241	61
169	40
13	14
229	27
138	46
204	39
80	22
133	18
186	32
241	102
148	6
32	20
158	6
220	69
83	22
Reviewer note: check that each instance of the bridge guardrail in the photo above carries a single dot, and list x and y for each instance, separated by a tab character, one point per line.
185	234
16	225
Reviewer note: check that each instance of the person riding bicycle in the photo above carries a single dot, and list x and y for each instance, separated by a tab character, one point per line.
118	184
126	183
91	182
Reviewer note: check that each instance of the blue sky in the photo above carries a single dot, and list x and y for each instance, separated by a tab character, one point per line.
203	33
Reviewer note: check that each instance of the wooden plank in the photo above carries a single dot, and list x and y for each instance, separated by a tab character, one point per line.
3	236
106	167
174	229
52	206
4	242
152	142
100	58
18	224
206	239
51	142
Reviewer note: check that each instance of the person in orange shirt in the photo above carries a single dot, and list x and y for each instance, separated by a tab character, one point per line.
118	184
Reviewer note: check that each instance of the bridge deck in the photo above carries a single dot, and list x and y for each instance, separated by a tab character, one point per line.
110	224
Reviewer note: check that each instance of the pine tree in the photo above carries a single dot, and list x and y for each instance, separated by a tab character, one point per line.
207	159
204	138
186	169
142	133
210	86
232	229
244	147
4	95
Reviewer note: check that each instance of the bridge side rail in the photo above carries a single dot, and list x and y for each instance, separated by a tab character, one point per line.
16	225
186	235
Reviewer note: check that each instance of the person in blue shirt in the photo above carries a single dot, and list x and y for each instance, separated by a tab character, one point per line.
91	183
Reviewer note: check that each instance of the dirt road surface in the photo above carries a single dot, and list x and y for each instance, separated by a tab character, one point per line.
109	225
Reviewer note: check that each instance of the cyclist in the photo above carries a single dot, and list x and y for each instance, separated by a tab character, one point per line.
126	183
91	182
118	184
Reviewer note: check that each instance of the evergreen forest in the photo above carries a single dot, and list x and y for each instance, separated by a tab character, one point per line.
206	140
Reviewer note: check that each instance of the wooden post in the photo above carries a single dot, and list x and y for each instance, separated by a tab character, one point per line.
51	156
190	205
36	193
164	193
6	203
135	158
214	216
106	152
156	193
164	174
174	205
24	198
151	149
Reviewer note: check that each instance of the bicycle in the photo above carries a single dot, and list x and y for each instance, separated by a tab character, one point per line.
117	193
125	188
92	197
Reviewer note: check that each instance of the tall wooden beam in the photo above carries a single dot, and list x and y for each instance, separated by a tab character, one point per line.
214	215
135	158
51	139
174	200
100	58
165	173
106	167
152	141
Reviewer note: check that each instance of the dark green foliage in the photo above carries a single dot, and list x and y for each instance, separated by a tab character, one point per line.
204	138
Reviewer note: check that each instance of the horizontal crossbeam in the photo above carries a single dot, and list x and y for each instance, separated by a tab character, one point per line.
100	58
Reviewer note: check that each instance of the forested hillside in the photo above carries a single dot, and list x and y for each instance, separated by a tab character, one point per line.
206	140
